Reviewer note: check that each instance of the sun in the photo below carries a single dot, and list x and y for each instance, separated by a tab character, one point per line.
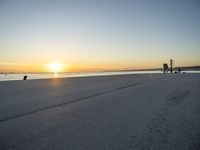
56	67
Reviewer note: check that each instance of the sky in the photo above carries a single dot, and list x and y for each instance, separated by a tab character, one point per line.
92	35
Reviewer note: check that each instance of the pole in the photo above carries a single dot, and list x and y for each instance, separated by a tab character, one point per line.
171	61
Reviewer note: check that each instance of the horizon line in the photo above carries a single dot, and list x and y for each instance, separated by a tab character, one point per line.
196	67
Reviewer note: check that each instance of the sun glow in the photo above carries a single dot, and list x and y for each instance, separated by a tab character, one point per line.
56	67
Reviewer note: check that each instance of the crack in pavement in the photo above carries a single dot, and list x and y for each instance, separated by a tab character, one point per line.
70	102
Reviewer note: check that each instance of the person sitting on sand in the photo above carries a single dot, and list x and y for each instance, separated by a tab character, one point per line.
165	68
25	77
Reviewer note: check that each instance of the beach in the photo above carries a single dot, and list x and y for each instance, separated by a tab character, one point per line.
118	112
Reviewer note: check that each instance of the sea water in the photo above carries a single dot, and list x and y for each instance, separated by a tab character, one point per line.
19	76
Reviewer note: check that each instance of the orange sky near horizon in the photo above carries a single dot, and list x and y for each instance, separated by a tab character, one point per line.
66	68
37	67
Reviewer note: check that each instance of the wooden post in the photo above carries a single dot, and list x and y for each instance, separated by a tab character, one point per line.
171	63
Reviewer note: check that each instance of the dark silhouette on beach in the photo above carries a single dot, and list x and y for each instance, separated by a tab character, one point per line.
171	64
25	77
165	68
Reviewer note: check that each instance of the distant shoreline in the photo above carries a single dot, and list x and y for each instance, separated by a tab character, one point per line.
183	68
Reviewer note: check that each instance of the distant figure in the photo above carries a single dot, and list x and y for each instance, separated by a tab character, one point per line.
25	77
179	70
165	68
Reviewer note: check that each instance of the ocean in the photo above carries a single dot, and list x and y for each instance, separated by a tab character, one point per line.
31	76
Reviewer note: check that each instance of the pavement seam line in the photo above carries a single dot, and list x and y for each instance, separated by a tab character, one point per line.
69	102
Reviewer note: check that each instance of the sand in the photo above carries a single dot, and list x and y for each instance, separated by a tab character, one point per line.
123	112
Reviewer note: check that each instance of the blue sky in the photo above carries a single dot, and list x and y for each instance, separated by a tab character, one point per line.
122	34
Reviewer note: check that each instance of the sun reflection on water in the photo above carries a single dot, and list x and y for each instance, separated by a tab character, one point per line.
55	75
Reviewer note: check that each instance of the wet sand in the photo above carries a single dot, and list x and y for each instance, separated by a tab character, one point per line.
122	112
